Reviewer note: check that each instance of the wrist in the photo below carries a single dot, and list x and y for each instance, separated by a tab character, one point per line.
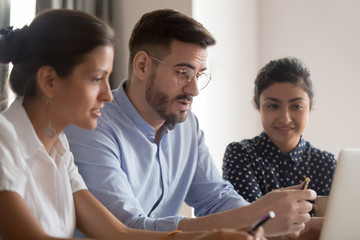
169	235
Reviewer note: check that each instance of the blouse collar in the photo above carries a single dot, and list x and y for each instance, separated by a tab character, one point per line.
28	141
269	148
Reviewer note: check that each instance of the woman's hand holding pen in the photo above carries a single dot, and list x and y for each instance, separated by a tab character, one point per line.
291	207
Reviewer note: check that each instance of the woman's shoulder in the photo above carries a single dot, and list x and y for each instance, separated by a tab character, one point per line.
7	130
245	149
243	145
11	158
318	153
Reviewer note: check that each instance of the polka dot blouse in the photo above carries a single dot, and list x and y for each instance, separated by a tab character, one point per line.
257	166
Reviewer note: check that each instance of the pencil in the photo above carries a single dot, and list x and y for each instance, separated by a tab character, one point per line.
306	183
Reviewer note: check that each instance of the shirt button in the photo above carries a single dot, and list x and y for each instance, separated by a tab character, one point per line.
152	215
152	133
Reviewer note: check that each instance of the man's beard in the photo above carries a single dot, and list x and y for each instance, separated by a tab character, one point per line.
159	101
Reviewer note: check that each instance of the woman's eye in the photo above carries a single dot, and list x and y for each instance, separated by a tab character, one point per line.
273	106
97	79
297	107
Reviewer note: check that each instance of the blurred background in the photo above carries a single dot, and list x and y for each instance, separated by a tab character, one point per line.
322	33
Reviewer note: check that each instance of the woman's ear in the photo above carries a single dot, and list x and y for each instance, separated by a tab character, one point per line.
254	103
312	102
141	65
45	77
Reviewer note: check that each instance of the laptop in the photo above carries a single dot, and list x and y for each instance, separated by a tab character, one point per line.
342	219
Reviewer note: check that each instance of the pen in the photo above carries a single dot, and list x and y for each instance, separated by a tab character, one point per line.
306	183
260	222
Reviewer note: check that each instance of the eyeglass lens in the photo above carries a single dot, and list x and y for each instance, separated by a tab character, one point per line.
188	75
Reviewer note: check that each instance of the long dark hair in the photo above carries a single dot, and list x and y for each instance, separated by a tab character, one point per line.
59	38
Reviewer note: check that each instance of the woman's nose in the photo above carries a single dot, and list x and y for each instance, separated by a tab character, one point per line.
106	94
285	116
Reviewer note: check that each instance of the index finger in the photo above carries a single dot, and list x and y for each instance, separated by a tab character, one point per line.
301	195
259	233
294	187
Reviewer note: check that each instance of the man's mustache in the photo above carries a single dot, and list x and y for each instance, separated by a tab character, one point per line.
185	97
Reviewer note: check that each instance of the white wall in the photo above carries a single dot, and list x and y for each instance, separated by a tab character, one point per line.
224	107
323	33
326	36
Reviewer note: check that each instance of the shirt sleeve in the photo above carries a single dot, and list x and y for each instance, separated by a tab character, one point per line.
76	181
12	177
237	169
209	192
97	156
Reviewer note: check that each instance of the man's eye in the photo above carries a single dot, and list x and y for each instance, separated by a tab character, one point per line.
188	73
183	73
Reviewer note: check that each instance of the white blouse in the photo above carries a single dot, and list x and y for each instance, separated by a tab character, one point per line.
45	182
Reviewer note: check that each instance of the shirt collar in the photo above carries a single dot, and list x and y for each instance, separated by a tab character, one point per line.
126	106
267	145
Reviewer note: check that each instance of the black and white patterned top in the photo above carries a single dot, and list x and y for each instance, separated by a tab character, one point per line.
257	166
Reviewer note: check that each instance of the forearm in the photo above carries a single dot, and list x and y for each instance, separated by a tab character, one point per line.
241	217
93	219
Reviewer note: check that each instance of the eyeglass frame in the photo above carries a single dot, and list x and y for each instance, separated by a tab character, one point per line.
182	71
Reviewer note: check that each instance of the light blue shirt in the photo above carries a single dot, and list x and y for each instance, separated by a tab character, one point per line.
144	184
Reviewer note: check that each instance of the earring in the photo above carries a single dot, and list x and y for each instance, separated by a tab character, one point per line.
49	131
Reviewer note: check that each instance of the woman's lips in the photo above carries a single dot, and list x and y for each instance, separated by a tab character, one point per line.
96	112
284	129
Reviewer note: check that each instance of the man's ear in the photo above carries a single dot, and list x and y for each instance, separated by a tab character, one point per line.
45	77
142	65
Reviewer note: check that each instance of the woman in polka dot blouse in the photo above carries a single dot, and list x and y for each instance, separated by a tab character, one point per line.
279	157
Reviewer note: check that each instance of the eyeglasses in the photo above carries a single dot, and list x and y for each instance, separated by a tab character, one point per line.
186	75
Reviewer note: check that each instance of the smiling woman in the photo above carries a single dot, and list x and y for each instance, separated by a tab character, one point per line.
279	157
284	110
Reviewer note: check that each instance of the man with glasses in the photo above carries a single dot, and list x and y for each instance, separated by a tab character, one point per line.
148	156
